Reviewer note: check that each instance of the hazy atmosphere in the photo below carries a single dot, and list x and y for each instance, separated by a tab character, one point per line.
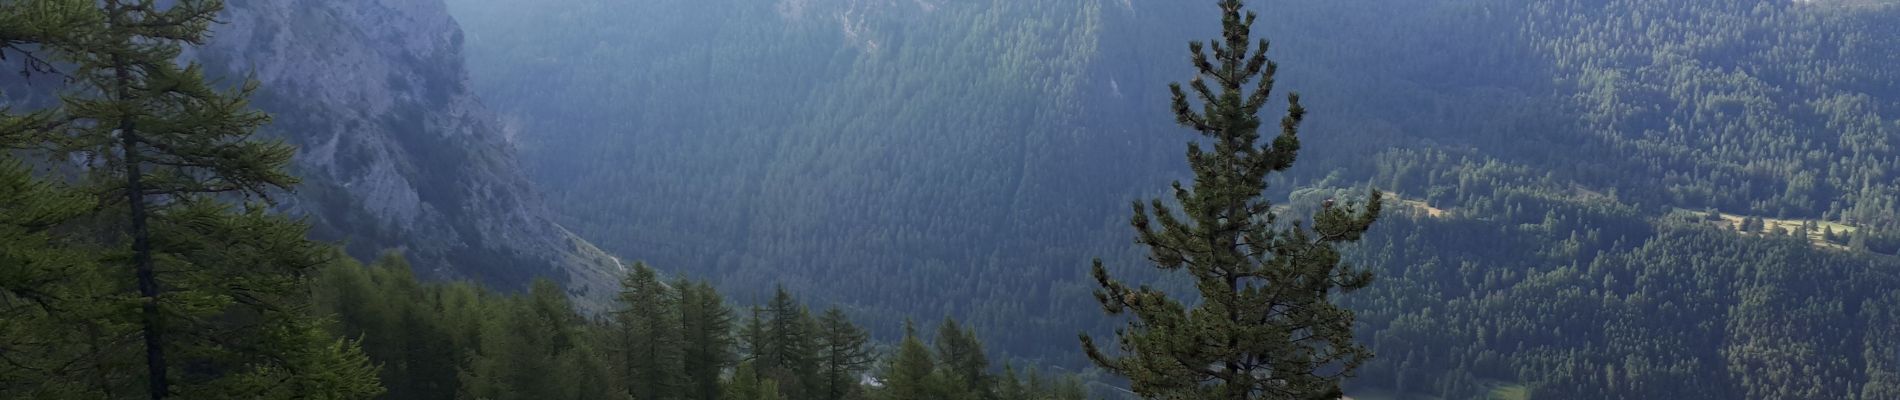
950	199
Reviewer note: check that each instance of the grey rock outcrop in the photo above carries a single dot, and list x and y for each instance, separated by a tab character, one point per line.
395	151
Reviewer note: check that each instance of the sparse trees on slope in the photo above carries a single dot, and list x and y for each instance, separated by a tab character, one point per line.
1265	326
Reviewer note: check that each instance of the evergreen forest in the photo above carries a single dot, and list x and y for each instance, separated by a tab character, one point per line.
955	200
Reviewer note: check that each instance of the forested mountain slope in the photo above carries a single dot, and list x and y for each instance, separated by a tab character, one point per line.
395	151
822	144
927	157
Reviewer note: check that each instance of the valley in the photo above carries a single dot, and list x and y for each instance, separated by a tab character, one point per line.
949	200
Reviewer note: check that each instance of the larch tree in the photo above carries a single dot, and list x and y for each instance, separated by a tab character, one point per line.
706	324
220	309
746	384
910	375
844	352
522	341
50	330
44	279
1263	325
788	350
960	355
647	332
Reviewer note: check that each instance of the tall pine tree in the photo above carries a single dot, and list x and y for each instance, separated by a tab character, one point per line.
1264	326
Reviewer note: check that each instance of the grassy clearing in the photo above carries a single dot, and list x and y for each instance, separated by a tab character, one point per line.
1510	392
1379	394
1498	390
1769	225
1418	206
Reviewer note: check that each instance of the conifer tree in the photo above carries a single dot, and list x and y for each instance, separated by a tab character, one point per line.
787	351
747	384
845	353
1857	240
752	339
174	164
1012	387
523	342
909	375
155	114
38	273
55	300
50	334
380	305
706	324
647	330
1264	325
960	355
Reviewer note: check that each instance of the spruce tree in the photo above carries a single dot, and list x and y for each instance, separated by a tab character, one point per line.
647	330
845	352
1263	325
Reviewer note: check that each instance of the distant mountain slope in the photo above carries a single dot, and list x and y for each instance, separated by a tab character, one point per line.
395	151
968	158
789	142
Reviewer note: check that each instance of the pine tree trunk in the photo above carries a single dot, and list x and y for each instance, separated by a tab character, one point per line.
141	237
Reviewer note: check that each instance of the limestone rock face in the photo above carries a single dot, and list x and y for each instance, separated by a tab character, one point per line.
395	151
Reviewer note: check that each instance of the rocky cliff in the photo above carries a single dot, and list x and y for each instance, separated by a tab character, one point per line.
396	152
